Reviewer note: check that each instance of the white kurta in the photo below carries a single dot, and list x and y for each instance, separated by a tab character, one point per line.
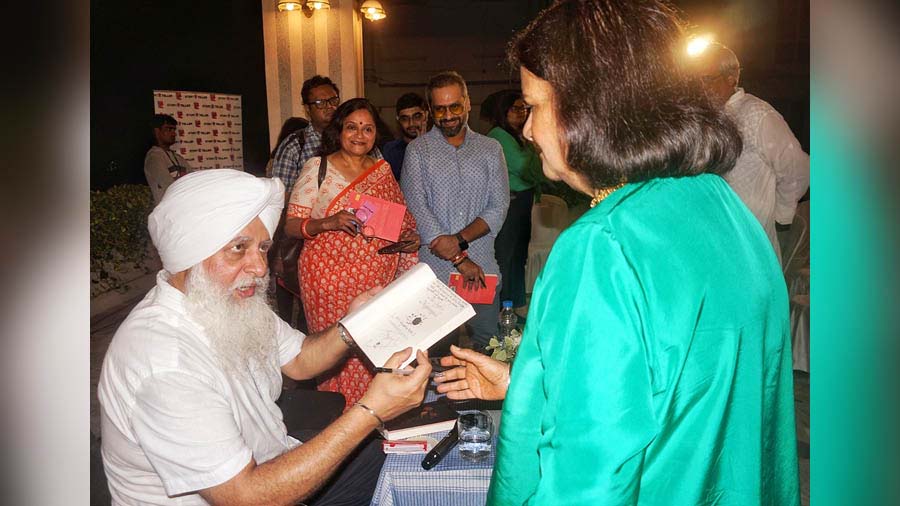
772	173
173	422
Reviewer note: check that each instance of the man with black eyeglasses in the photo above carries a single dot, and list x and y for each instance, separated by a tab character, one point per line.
320	98
456	185
412	116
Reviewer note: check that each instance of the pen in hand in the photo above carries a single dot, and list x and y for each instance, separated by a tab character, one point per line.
405	372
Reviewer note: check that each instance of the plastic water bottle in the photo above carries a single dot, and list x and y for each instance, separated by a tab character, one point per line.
508	319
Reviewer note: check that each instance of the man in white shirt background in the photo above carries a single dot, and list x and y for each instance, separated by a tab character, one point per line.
162	165
772	173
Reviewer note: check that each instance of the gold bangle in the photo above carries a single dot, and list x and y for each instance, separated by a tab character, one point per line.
371	412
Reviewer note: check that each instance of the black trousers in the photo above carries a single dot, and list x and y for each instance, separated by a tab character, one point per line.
511	246
308	412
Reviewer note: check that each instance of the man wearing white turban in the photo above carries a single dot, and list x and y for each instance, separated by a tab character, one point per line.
189	383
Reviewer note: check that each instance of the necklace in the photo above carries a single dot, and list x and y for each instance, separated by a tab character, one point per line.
602	193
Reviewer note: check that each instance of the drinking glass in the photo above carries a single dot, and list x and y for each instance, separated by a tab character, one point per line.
475	431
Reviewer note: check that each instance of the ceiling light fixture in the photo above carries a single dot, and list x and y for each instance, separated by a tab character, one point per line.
372	10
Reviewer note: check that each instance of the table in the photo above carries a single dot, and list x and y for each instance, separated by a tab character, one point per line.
453	482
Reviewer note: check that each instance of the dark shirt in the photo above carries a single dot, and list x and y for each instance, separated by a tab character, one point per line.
394	152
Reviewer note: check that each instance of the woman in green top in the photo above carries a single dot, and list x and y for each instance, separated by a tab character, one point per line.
655	367
524	167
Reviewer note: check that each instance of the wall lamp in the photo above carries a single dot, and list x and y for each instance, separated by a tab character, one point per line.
372	10
308	7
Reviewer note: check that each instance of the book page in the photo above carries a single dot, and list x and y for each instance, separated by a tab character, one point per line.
416	310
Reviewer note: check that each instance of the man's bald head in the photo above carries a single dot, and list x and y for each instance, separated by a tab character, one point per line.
720	72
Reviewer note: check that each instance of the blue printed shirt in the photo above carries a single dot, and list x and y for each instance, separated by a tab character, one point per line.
291	155
447	187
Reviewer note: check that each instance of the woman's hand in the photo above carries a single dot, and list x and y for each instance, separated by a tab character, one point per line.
340	221
411	235
477	377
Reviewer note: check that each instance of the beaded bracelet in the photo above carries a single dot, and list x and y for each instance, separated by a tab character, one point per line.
371	412
306	235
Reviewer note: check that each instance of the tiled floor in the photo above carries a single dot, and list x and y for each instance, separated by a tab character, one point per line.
103	328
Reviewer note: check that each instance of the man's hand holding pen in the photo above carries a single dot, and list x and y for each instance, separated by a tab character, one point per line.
389	395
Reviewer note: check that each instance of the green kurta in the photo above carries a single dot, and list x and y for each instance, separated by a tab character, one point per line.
522	162
655	368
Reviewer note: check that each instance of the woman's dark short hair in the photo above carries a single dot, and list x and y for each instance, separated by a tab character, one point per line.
331	136
502	105
627	108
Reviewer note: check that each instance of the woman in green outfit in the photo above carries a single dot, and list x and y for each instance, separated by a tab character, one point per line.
524	168
655	367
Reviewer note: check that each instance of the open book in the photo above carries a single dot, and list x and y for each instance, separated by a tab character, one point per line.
416	310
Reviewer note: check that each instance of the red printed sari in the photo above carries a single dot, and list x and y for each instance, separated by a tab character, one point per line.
335	267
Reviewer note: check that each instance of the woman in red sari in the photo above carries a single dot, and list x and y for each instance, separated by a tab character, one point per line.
337	263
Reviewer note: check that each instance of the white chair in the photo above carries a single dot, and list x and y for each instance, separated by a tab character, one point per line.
796	275
797	253
549	217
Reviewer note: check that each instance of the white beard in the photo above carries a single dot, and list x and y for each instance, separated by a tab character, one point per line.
241	331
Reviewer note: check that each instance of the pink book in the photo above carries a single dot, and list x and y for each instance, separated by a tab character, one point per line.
480	295
381	218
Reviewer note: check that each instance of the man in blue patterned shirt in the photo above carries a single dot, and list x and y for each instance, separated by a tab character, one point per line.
320	98
455	184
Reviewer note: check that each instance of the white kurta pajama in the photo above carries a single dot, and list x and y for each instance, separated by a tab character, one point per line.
772	173
173	421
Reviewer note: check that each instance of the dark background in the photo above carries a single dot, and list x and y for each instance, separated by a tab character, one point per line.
196	45
217	46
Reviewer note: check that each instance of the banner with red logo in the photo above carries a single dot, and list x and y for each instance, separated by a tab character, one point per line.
210	132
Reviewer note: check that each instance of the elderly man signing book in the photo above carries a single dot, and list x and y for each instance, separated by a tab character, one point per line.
189	383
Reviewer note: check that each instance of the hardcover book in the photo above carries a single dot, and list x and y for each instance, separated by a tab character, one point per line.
430	417
416	310
479	295
381	218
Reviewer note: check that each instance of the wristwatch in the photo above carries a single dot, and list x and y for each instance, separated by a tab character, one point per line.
463	244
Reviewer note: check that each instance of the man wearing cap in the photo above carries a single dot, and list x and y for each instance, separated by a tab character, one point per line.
189	383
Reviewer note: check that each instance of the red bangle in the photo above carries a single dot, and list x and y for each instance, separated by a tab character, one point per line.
458	259
303	231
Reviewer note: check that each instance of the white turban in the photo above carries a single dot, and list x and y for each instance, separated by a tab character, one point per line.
203	211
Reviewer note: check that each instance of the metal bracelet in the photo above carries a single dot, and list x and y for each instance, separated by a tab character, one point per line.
371	412
345	336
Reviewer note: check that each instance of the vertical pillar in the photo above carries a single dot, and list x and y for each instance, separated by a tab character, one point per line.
297	47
